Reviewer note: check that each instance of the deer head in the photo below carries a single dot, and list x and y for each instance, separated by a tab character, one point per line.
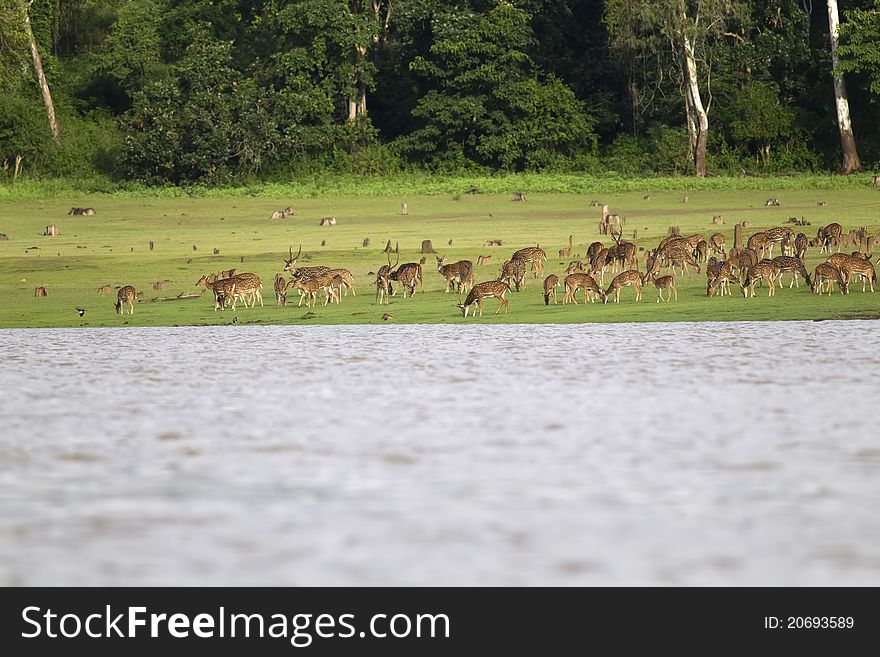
290	262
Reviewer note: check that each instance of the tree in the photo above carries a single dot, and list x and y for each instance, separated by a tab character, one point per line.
859	49
647	29
484	101
851	162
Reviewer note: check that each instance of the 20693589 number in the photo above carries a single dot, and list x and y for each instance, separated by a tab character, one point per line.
809	622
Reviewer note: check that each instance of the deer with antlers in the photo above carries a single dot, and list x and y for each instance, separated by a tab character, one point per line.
383	280
298	272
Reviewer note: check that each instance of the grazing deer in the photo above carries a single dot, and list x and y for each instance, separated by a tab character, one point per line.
825	277
793	265
574	282
856	266
280	290
764	270
515	271
828	235
455	273
534	255
716	244
480	291
105	289
665	283
224	292
408	275
127	294
550	285
566	253
626	279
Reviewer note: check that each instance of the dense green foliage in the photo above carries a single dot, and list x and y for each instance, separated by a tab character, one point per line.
220	92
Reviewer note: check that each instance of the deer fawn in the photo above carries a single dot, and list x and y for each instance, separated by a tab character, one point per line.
485	290
126	294
665	283
280	290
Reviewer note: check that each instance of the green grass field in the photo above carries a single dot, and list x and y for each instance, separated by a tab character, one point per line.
112	248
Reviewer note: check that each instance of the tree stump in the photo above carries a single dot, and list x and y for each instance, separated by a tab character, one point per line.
404	209
216	251
484	259
151	245
105	289
51	231
673	231
241	259
195	248
157	285
422	260
40	292
323	242
366	242
3	237
449	243
717	220
427	247
738	236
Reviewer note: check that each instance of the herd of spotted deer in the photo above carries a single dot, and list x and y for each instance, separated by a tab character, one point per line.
745	266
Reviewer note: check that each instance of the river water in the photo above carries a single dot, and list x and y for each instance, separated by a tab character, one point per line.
659	454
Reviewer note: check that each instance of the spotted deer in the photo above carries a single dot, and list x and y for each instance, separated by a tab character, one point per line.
514	271
383	280
575	282
456	274
593	249
701	252
347	280
534	255
824	278
765	271
310	287
681	257
624	254
858	267
599	263
800	246
722	280
248	285
574	267
280	290
550	285
631	278
716	244
828	235
778	236
758	242
486	290
409	275
127	294
792	265
664	283
296	272
224	293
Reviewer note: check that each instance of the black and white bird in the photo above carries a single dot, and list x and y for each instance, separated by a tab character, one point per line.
81	311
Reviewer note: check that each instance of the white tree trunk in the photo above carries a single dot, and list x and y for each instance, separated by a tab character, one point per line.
851	160
695	103
41	78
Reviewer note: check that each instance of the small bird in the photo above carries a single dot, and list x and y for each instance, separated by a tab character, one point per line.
81	311
235	319
386	317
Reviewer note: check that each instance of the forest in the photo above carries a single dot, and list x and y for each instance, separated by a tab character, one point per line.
221	92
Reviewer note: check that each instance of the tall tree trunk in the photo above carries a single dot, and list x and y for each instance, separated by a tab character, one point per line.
41	77
851	160
695	103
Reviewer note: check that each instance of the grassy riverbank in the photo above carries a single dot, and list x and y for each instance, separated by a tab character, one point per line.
112	248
